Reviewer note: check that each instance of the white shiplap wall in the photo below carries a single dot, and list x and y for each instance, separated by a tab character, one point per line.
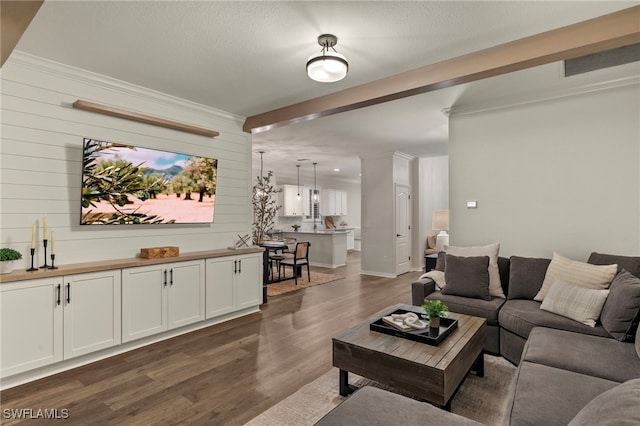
41	156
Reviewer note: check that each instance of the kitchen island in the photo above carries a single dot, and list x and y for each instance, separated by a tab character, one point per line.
328	247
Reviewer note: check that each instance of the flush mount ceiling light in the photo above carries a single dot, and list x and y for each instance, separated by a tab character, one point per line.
328	66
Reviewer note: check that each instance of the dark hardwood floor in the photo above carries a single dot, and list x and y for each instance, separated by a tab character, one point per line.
222	375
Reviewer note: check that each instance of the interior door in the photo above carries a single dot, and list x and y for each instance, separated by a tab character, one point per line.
403	229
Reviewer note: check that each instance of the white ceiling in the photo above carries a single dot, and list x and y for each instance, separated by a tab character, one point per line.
248	57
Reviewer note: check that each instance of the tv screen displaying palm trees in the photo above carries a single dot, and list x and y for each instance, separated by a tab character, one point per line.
124	184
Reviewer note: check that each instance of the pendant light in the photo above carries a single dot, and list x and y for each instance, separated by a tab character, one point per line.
298	166
315	196
328	66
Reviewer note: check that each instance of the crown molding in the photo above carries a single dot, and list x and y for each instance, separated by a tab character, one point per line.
510	102
19	58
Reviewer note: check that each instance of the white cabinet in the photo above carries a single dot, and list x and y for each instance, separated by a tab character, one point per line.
334	203
351	242
92	319
161	297
31	324
233	283
50	319
294	205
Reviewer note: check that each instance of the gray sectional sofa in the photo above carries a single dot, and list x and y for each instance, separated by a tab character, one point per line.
568	373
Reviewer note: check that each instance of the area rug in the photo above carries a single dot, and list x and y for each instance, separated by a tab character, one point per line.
287	286
483	399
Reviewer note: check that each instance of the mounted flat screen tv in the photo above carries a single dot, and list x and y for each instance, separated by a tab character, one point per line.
124	184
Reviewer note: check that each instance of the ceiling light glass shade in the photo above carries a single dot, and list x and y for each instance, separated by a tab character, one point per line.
327	67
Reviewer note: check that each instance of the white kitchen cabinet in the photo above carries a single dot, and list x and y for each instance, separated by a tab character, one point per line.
334	203
292	204
161	297
351	241
233	283
50	319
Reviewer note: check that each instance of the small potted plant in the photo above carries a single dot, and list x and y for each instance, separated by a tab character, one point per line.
295	227
435	310
7	256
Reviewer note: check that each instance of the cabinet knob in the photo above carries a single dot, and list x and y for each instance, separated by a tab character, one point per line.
68	293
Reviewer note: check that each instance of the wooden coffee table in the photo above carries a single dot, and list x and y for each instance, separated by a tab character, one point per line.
431	373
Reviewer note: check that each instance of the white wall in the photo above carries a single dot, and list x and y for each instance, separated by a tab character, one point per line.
379	176
556	175
433	194
41	157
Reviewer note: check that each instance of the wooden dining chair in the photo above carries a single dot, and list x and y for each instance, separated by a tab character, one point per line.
299	259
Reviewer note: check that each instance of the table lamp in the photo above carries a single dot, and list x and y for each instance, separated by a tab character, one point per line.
440	222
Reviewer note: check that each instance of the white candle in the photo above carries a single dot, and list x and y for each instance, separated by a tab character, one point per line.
44	227
33	236
53	245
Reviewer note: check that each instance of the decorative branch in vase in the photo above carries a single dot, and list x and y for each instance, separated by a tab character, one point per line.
265	207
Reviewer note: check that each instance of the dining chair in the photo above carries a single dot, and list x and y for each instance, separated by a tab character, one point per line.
300	258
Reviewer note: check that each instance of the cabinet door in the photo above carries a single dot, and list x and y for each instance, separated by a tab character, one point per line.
31	325
343	203
249	281
186	293
220	294
293	206
92	318
144	301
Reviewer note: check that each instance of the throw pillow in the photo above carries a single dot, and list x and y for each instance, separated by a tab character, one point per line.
580	304
526	275
621	306
491	250
630	263
576	273
467	277
617	406
431	241
437	277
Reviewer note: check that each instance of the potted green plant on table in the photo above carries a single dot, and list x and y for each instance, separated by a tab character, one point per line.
295	227
7	256
435	310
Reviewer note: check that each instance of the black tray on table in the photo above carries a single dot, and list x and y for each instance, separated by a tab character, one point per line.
427	335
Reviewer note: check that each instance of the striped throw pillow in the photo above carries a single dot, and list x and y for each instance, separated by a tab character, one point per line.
577	273
578	303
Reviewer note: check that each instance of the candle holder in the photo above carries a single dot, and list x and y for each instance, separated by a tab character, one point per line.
53	258
33	252
45	266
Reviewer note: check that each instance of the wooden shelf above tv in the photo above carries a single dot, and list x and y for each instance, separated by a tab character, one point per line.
143	118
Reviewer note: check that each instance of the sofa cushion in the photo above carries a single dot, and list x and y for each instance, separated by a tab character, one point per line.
526	275
371	405
580	304
591	355
520	316
469	306
622	306
615	407
467	276
491	250
550	396
630	263
576	273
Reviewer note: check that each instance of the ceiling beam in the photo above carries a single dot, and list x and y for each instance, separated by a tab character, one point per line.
15	17
606	32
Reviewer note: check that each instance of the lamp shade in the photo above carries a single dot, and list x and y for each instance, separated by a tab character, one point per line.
327	67
440	220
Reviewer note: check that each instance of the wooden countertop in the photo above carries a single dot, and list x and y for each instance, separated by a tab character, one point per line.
105	265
